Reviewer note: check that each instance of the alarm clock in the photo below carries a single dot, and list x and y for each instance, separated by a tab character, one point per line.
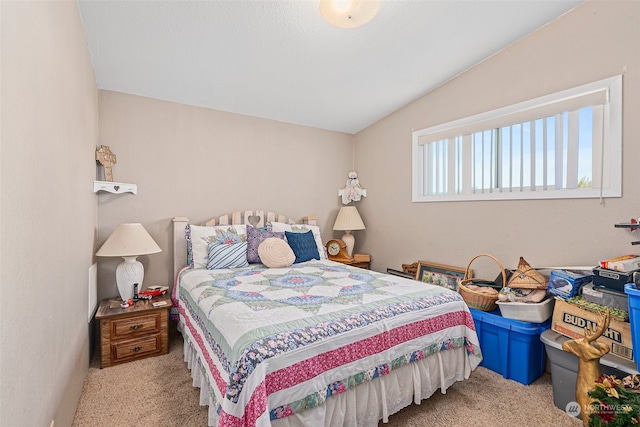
337	251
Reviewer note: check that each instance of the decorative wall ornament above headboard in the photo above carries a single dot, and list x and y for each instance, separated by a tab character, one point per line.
352	192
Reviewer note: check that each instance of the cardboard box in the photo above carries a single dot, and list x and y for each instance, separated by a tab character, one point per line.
567	283
570	320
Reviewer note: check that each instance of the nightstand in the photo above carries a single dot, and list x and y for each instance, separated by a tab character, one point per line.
135	332
360	261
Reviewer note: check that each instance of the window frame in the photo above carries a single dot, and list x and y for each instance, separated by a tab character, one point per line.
610	173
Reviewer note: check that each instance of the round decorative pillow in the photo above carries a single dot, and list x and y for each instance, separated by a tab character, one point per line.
275	253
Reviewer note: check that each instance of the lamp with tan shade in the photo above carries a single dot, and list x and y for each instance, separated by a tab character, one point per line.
129	241
348	220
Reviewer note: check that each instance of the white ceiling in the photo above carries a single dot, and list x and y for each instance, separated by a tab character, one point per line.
278	59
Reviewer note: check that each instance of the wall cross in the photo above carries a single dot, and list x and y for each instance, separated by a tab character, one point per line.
107	159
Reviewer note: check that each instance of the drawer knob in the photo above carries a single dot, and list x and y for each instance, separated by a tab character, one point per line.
136	349
134	327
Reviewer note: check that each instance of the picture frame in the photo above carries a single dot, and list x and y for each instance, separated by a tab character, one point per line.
399	273
443	275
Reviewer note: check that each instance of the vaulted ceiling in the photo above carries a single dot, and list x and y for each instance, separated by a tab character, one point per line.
278	59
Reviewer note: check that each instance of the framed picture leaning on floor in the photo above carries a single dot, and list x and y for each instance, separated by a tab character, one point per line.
440	274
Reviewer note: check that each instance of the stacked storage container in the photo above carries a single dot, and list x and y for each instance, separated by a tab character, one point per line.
511	347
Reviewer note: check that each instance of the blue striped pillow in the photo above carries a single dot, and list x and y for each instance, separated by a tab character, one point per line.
227	255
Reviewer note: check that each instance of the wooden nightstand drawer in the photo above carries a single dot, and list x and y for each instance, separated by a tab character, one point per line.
125	328
135	348
134	332
362	264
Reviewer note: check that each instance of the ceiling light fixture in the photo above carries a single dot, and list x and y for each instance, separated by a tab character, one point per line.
349	13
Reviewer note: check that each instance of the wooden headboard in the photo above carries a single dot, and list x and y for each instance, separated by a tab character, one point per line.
256	218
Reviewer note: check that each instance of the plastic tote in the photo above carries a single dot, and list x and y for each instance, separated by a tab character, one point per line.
634	318
511	347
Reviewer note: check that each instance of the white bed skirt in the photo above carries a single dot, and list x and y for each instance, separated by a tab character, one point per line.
367	403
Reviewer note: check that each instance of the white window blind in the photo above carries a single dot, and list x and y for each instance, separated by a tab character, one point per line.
564	145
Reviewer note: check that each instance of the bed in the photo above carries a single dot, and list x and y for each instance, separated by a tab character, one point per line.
312	343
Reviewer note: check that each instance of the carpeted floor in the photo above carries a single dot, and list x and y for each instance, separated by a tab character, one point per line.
157	392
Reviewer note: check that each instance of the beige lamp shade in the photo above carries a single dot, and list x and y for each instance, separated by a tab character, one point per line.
129	241
348	220
349	13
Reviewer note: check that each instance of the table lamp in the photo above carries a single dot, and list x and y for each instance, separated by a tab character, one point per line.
129	241
348	220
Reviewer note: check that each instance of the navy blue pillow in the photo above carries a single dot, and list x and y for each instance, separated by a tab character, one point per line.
303	246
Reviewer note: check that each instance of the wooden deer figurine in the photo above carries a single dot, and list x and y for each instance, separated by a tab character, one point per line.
589	352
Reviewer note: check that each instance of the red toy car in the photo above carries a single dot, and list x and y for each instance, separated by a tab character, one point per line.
153	291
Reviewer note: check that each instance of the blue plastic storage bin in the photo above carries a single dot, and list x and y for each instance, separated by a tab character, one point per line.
634	319
511	347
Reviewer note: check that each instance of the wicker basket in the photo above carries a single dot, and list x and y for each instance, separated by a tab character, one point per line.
475	299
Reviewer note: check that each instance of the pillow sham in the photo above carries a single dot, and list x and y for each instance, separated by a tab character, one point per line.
303	246
276	253
227	255
198	239
302	228
255	236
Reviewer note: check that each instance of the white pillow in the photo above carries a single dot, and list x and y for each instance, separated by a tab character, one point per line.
302	228
201	236
276	253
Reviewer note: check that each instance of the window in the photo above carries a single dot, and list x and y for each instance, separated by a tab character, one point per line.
564	145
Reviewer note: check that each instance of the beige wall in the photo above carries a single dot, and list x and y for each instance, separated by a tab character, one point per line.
195	162
48	214
595	41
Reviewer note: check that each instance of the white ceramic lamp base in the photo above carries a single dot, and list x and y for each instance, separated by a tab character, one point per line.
129	272
350	241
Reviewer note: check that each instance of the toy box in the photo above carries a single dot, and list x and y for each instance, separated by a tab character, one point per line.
511	347
570	320
567	283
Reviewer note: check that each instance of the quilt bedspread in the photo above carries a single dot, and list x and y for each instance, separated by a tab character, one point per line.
278	341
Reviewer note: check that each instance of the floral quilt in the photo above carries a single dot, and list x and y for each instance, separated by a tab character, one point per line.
278	341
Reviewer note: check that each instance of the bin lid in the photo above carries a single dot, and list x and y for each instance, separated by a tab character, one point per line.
555	340
495	318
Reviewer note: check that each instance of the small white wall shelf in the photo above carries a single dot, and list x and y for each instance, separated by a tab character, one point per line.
114	187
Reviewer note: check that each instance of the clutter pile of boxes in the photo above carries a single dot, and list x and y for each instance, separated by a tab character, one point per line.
580	297
519	349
